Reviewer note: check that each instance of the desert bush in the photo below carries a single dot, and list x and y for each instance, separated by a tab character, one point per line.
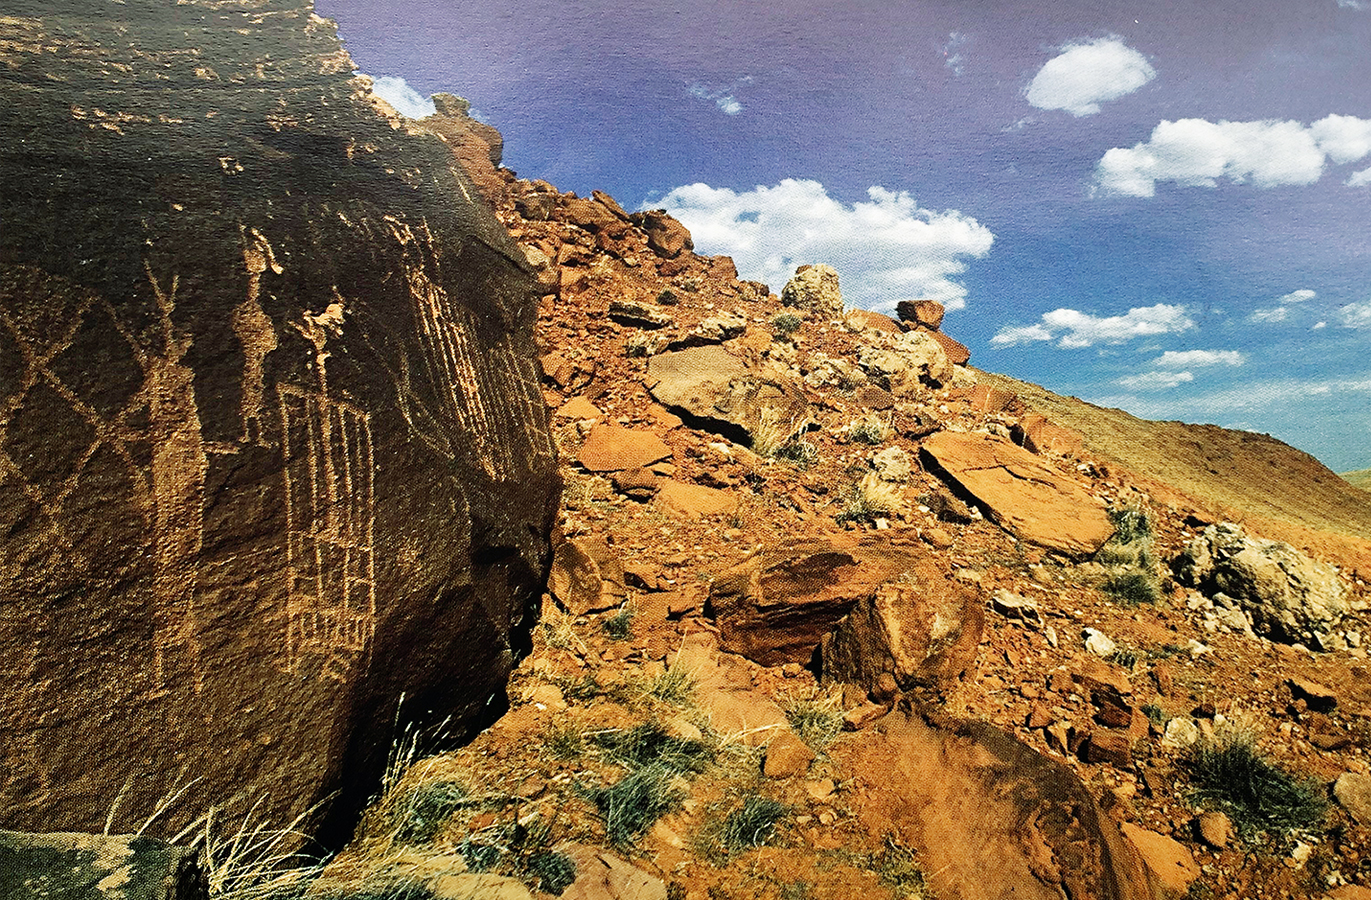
870	499
637	346
667	298
1132	587
675	686
649	744
619	626
554	871
752	824
869	429
799	451
897	867
1229	773
773	431
564	740
817	722
786	323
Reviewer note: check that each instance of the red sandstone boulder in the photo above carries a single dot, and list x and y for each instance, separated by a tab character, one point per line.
925	313
609	448
1021	493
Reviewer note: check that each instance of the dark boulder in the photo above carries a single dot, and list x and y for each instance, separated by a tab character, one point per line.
273	453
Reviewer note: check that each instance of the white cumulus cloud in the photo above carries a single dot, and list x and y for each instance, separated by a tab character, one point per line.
1267	316
1184	359
1354	4
1299	296
1088	73
1074	329
886	249
1198	153
1281	311
1360	179
406	100
1155	381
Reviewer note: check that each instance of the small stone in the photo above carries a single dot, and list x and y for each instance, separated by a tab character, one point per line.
1180	733
1098	643
1353	791
1039	717
1016	607
820	789
1316	696
1109	746
786	756
1170	863
862	716
1215	829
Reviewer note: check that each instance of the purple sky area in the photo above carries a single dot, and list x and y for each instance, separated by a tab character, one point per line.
1164	207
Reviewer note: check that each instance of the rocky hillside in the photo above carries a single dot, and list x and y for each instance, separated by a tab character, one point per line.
832	612
1361	478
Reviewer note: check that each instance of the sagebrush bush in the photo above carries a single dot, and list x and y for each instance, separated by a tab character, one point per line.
631	805
1133	587
817	722
786	323
619	626
869	429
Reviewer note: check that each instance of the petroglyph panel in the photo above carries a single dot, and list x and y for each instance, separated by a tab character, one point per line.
331	515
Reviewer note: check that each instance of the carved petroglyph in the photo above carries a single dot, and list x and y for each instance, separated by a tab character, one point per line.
506	438
330	514
254	329
168	493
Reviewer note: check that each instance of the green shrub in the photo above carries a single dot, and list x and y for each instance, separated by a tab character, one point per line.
1131	524
667	298
1132	587
786	323
799	451
818	723
421	812
1229	772
674	686
897	867
619	626
869	429
631	805
480	857
554	871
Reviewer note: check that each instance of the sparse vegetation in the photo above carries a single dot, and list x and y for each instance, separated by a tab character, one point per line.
637	346
786	323
675	686
799	451
869	429
649	744
1133	588
1228	772
870	499
564	740
620	625
752	824
897	866
773	431
817	722
667	298
1126	657
630	806
421	811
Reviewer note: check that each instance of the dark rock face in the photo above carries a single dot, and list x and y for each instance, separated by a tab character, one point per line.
272	448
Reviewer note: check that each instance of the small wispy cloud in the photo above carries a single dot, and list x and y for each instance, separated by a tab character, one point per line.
1360	179
1356	315
1155	381
1354	4
1183	359
1088	73
1281	311
1073	329
406	100
952	56
722	97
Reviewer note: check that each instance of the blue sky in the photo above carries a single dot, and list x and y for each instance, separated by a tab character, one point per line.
1163	207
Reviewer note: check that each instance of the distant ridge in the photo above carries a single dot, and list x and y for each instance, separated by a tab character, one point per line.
1360	478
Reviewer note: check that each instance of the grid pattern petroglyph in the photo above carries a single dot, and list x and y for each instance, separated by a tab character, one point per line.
331	513
509	436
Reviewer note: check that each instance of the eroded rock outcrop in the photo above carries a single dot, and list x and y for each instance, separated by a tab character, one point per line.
272	448
1285	594
815	288
716	388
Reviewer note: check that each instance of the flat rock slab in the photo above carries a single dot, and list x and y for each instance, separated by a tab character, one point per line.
610	448
719	390
1020	493
693	500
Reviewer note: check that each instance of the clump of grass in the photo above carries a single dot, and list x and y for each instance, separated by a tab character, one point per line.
1131	524
558	630
870	499
869	429
1155	714
1126	657
421	811
752	824
631	805
1132	587
587	687
554	871
1229	773
817	722
675	686
619	626
898	868
799	451
773	431
667	298
649	744
564	741
786	323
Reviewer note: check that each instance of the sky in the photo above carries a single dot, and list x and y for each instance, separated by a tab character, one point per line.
1161	207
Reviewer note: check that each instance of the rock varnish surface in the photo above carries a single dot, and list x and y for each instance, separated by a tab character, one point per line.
272	449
